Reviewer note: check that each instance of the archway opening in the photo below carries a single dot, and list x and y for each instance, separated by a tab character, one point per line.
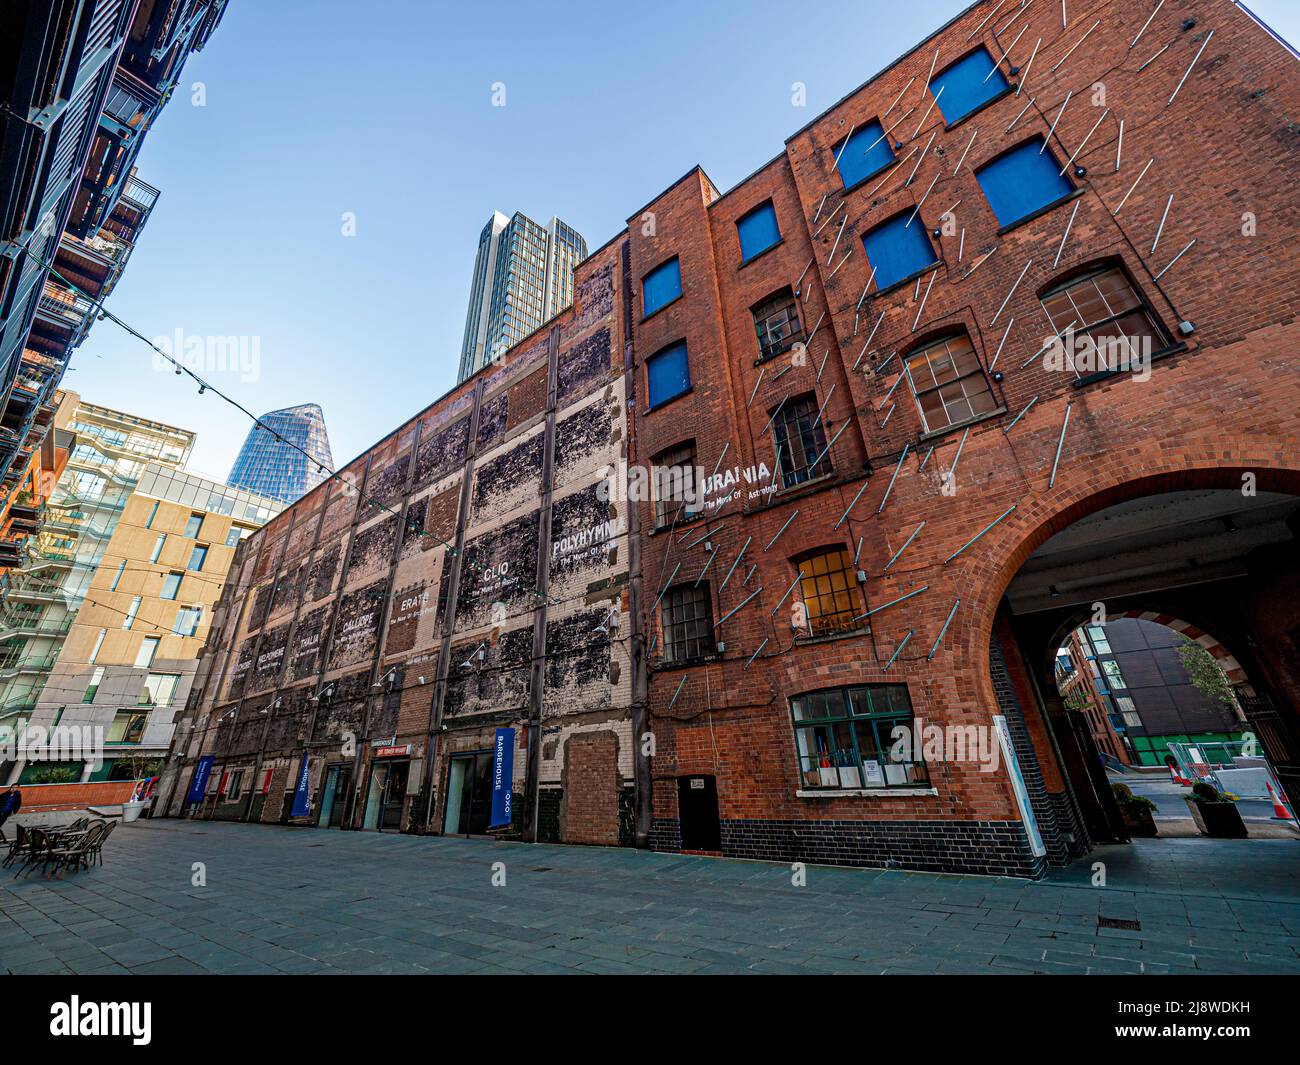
1203	581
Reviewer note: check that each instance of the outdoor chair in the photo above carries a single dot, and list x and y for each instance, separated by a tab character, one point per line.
38	845
98	851
77	853
17	845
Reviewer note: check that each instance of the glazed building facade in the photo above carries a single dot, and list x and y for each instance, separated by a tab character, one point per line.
911	401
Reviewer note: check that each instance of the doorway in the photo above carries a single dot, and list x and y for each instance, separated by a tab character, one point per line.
386	795
697	809
469	795
334	796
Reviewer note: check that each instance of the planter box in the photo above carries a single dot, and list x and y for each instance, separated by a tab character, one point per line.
1139	822
1219	820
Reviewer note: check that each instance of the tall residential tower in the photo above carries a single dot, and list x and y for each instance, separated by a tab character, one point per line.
288	458
523	276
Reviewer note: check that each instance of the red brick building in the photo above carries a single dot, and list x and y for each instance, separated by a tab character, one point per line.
1006	333
970	496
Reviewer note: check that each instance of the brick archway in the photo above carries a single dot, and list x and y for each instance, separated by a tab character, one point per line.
1114	477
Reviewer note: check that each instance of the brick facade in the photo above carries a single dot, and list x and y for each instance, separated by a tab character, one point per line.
938	521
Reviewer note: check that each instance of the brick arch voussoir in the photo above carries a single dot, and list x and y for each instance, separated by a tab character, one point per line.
1114	477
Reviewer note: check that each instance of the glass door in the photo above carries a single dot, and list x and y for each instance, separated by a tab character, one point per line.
469	795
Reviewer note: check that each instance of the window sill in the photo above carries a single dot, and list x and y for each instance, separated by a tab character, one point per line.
758	255
1047	207
903	281
668	402
935	434
987	103
1106	375
872	176
685	663
659	310
831	637
866	793
764	359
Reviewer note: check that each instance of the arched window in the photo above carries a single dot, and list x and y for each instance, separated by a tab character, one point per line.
1113	328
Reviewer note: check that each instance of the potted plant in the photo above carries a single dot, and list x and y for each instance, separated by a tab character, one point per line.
1137	811
1214	813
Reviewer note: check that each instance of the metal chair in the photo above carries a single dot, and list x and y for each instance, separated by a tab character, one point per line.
39	843
77	854
17	845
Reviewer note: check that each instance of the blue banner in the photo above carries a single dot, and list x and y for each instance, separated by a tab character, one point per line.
503	773
199	782
302	793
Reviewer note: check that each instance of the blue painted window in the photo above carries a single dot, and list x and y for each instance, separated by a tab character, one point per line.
661	286
896	250
668	374
867	152
758	231
1021	182
968	84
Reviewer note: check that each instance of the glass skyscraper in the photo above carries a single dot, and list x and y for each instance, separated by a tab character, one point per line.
523	276
273	467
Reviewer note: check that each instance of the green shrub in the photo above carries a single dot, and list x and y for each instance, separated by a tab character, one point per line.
1204	791
1128	801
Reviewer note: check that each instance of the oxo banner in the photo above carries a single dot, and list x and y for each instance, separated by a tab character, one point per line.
503	771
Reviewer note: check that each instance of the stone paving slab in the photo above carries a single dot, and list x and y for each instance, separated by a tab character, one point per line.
282	900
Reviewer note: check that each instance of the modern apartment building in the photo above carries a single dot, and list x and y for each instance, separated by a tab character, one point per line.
286	456
1081	687
45	592
81	84
523	276
767	546
1148	691
131	650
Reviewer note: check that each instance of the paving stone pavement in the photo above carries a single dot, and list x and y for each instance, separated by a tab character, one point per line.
282	900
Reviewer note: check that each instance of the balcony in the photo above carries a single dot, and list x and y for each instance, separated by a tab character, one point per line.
26	519
19	665
70	312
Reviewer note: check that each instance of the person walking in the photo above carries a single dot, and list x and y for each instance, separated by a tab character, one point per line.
10	803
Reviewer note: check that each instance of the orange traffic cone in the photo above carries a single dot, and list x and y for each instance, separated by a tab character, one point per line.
1280	812
1177	777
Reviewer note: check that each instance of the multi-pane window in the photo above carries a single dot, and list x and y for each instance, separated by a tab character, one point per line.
661	286
776	322
148	648
687	623
1114	677
675	485
159	688
1099	641
129	618
1104	308
866	153
127	726
827	584
187	620
171	585
845	738
758	231
801	441
897	250
967	85
949	383
193	525
668	374
1022	181
197	557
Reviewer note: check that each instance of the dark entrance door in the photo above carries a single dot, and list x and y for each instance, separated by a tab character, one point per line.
334	798
469	795
697	810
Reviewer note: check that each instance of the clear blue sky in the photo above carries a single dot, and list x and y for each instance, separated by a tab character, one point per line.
383	108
